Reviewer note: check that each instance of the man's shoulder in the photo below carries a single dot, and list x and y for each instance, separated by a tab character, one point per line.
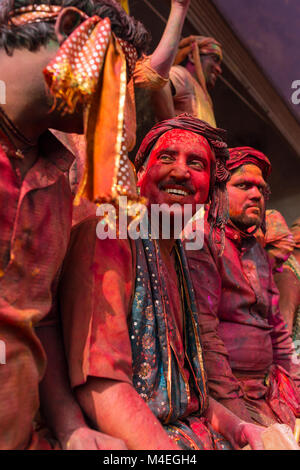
180	77
89	235
211	238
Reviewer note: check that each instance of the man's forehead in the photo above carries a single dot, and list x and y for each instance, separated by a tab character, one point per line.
178	138
247	171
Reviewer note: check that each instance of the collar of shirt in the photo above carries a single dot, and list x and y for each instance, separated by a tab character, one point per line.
242	240
54	160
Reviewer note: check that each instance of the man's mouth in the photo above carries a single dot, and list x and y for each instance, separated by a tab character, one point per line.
177	192
254	208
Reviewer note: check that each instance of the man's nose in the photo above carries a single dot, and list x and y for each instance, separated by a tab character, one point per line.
181	172
255	193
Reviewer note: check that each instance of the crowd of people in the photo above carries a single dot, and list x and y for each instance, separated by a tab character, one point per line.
134	342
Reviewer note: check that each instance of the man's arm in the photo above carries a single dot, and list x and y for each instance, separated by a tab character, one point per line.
117	408
207	283
283	348
289	288
163	59
164	55
60	408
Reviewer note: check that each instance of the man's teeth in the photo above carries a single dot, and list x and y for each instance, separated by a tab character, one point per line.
177	192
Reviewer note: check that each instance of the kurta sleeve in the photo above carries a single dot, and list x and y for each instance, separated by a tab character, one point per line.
289	288
95	295
283	348
207	283
146	77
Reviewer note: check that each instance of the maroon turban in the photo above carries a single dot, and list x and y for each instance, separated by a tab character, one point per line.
246	156
218	209
186	122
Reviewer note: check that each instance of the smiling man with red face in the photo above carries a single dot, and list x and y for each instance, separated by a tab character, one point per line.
248	350
178	171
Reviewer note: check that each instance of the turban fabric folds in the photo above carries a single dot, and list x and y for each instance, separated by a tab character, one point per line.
246	156
206	45
218	210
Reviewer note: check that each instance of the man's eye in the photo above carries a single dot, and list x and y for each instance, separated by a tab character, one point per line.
197	164
166	158
241	186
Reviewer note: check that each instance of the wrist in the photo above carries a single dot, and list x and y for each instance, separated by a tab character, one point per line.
67	428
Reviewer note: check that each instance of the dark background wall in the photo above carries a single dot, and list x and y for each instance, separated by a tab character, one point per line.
271	31
246	124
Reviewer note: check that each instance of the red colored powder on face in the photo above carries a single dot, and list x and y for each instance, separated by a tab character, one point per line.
246	200
180	160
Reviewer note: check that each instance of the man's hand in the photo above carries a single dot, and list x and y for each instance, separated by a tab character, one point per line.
85	438
182	3
247	433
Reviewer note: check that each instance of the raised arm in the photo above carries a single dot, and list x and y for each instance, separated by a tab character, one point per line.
164	55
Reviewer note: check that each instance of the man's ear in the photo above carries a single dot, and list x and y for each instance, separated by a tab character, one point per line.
68	20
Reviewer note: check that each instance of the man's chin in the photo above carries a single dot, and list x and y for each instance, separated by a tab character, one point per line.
245	223
251	222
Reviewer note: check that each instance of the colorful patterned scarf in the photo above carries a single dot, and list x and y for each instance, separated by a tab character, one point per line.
157	375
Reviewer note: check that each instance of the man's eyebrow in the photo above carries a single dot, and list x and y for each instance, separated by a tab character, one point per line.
247	180
168	150
200	155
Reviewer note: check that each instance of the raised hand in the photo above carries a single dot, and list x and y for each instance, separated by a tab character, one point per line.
183	3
